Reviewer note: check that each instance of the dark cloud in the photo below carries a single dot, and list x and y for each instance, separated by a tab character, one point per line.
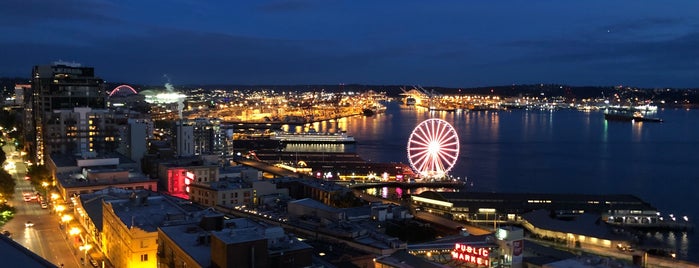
642	24
27	12
646	62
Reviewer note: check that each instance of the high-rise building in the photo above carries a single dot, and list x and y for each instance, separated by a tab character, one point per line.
62	85
202	136
80	131
133	136
184	139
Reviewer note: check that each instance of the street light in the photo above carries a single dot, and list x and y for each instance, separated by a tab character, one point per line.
60	209
85	248
74	231
46	188
66	218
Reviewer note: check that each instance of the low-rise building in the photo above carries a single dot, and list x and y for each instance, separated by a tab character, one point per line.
580	231
239	242
236	192
222	193
130	225
509	207
319	190
94	179
176	175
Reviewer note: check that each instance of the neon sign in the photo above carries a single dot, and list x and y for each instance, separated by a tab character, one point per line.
471	254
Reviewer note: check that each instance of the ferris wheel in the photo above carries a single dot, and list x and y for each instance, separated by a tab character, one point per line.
433	148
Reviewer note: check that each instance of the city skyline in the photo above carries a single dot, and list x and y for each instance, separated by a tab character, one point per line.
450	44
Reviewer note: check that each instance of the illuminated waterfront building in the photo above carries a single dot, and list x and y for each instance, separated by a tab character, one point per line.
486	207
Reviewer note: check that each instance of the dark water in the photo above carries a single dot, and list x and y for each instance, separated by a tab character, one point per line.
563	151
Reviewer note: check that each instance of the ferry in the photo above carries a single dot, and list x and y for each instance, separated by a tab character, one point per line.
635	117
313	138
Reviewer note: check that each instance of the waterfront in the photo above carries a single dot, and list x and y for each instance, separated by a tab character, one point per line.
564	151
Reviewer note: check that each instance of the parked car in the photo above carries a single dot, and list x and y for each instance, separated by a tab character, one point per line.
28	224
44	205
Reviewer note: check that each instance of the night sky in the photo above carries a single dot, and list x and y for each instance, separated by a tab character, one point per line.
430	43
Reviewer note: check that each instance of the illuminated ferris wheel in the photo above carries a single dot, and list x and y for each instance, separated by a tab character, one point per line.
433	148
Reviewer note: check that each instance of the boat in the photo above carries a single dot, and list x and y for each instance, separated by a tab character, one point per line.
627	117
368	112
313	138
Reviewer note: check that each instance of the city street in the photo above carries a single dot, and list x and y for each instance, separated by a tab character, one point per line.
45	238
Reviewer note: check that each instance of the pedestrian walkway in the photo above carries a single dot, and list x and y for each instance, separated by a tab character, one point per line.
86	250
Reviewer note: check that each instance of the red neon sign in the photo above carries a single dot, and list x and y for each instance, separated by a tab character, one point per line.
471	254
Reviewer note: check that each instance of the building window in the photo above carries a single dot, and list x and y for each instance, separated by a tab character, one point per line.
144	257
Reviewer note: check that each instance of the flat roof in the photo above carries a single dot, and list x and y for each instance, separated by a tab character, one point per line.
149	210
187	238
78	180
235	230
68	160
522	202
223	185
587	224
308	202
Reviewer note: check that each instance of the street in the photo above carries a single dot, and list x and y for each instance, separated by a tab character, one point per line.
45	238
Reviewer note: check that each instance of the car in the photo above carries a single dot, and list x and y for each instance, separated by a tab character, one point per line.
44	205
94	263
26	178
27	199
28	224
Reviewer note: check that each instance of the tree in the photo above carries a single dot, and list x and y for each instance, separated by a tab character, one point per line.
8	119
3	157
7	184
38	174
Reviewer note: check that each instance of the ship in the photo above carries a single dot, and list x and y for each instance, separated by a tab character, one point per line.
627	117
313	138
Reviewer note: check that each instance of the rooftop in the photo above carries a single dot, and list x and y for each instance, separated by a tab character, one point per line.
188	237
149	210
530	201
67	160
308	202
92	203
223	185
79	180
587	224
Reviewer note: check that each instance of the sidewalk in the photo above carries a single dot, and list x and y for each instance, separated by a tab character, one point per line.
84	247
